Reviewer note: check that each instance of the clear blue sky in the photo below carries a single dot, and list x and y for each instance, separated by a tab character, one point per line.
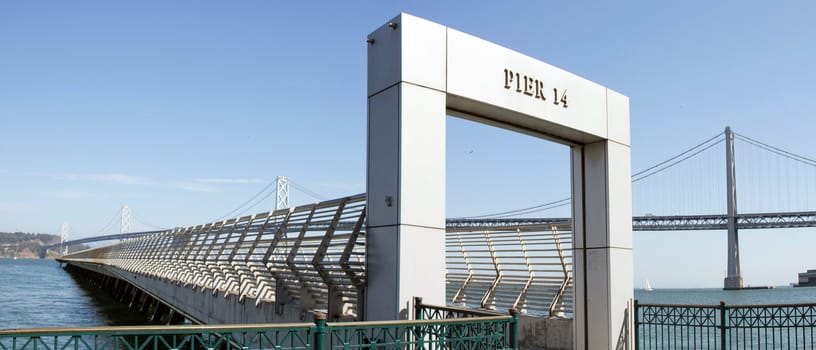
183	110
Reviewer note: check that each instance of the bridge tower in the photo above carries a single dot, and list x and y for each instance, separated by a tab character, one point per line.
124	227
282	193
733	279
64	238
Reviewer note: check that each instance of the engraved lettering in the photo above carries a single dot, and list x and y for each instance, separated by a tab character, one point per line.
534	87
562	100
528	86
539	94
518	83
508	78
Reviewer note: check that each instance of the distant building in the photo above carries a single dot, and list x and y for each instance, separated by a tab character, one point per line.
807	279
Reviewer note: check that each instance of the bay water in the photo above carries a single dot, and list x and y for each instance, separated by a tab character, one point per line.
713	296
40	294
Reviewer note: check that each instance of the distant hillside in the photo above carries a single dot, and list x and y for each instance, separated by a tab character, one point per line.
26	245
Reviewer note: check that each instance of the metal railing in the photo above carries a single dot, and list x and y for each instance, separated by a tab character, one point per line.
285	337
315	254
490	336
783	326
527	268
475	332
312	253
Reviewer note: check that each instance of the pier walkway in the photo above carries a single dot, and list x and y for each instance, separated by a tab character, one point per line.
291	264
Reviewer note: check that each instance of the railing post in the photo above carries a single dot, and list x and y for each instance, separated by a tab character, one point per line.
514	329
319	340
417	308
722	324
637	326
419	334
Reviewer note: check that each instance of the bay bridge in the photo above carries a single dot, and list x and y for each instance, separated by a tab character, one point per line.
760	158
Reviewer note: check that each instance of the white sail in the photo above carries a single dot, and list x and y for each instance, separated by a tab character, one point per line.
648	286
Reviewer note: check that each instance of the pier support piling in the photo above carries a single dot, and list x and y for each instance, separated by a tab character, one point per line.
145	307
134	301
159	312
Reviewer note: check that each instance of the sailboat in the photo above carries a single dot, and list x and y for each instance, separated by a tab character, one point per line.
648	287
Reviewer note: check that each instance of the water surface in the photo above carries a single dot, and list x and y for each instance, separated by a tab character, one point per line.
713	296
39	293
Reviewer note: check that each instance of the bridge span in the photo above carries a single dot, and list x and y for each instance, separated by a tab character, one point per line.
661	223
639	223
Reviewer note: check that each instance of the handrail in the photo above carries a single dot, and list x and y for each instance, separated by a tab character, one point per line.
528	268
474	331
167	329
475	312
777	326
407	323
315	254
309	252
735	306
164	329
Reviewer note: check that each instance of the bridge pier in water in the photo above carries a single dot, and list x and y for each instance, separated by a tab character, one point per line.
124	292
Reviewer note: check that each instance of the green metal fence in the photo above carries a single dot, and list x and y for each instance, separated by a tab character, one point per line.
289	336
493	330
783	326
471	330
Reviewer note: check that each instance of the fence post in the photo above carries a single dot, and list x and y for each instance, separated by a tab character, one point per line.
418	332
319	339
637	326
417	308
514	329
722	324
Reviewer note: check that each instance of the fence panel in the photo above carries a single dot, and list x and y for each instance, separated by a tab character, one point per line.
475	332
526	267
788	326
237	337
314	253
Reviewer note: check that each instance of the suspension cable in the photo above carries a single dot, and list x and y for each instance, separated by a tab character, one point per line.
307	191
110	223
777	150
259	201
271	183
540	207
145	222
677	156
643	174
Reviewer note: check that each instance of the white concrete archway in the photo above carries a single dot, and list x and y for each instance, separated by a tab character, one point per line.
420	71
